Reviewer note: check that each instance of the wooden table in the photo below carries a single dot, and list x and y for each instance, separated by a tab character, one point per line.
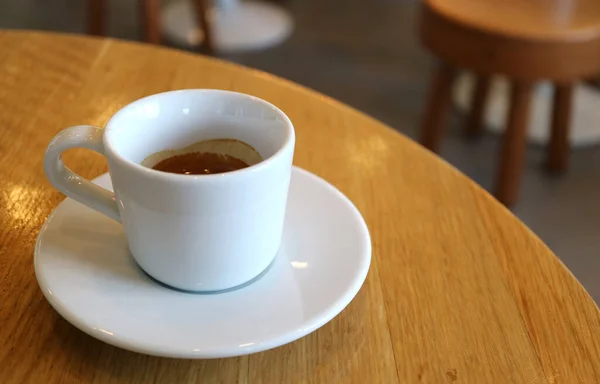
459	289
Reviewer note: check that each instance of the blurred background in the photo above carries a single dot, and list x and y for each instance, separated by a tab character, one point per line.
366	53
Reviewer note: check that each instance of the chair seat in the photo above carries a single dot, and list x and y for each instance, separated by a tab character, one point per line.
524	39
540	20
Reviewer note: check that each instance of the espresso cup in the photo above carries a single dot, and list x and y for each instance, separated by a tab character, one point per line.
191	232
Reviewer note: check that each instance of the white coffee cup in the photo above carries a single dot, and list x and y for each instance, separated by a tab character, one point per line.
191	232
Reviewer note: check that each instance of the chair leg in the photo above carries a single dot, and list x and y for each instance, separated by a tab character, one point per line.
593	81
558	148
512	152
202	17
96	17
437	107
478	103
150	20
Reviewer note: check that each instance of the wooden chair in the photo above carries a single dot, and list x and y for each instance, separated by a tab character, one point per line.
150	20
526	41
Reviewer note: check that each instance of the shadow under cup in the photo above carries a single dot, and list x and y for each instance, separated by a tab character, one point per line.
200	232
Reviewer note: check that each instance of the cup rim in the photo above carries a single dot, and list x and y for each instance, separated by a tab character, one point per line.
289	140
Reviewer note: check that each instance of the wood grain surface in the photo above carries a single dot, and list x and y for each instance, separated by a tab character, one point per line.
459	290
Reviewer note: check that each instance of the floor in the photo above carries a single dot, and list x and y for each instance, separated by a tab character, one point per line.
366	54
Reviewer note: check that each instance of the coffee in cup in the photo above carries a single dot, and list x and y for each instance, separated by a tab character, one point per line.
205	157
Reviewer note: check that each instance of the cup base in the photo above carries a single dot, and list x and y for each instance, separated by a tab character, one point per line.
210	292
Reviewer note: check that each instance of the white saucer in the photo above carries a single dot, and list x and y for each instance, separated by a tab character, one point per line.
84	269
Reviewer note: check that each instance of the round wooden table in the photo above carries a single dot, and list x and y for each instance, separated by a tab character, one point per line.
458	290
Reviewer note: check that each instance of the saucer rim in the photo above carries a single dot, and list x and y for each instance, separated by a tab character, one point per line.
314	323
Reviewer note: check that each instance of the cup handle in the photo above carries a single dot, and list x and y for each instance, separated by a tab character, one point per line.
70	183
